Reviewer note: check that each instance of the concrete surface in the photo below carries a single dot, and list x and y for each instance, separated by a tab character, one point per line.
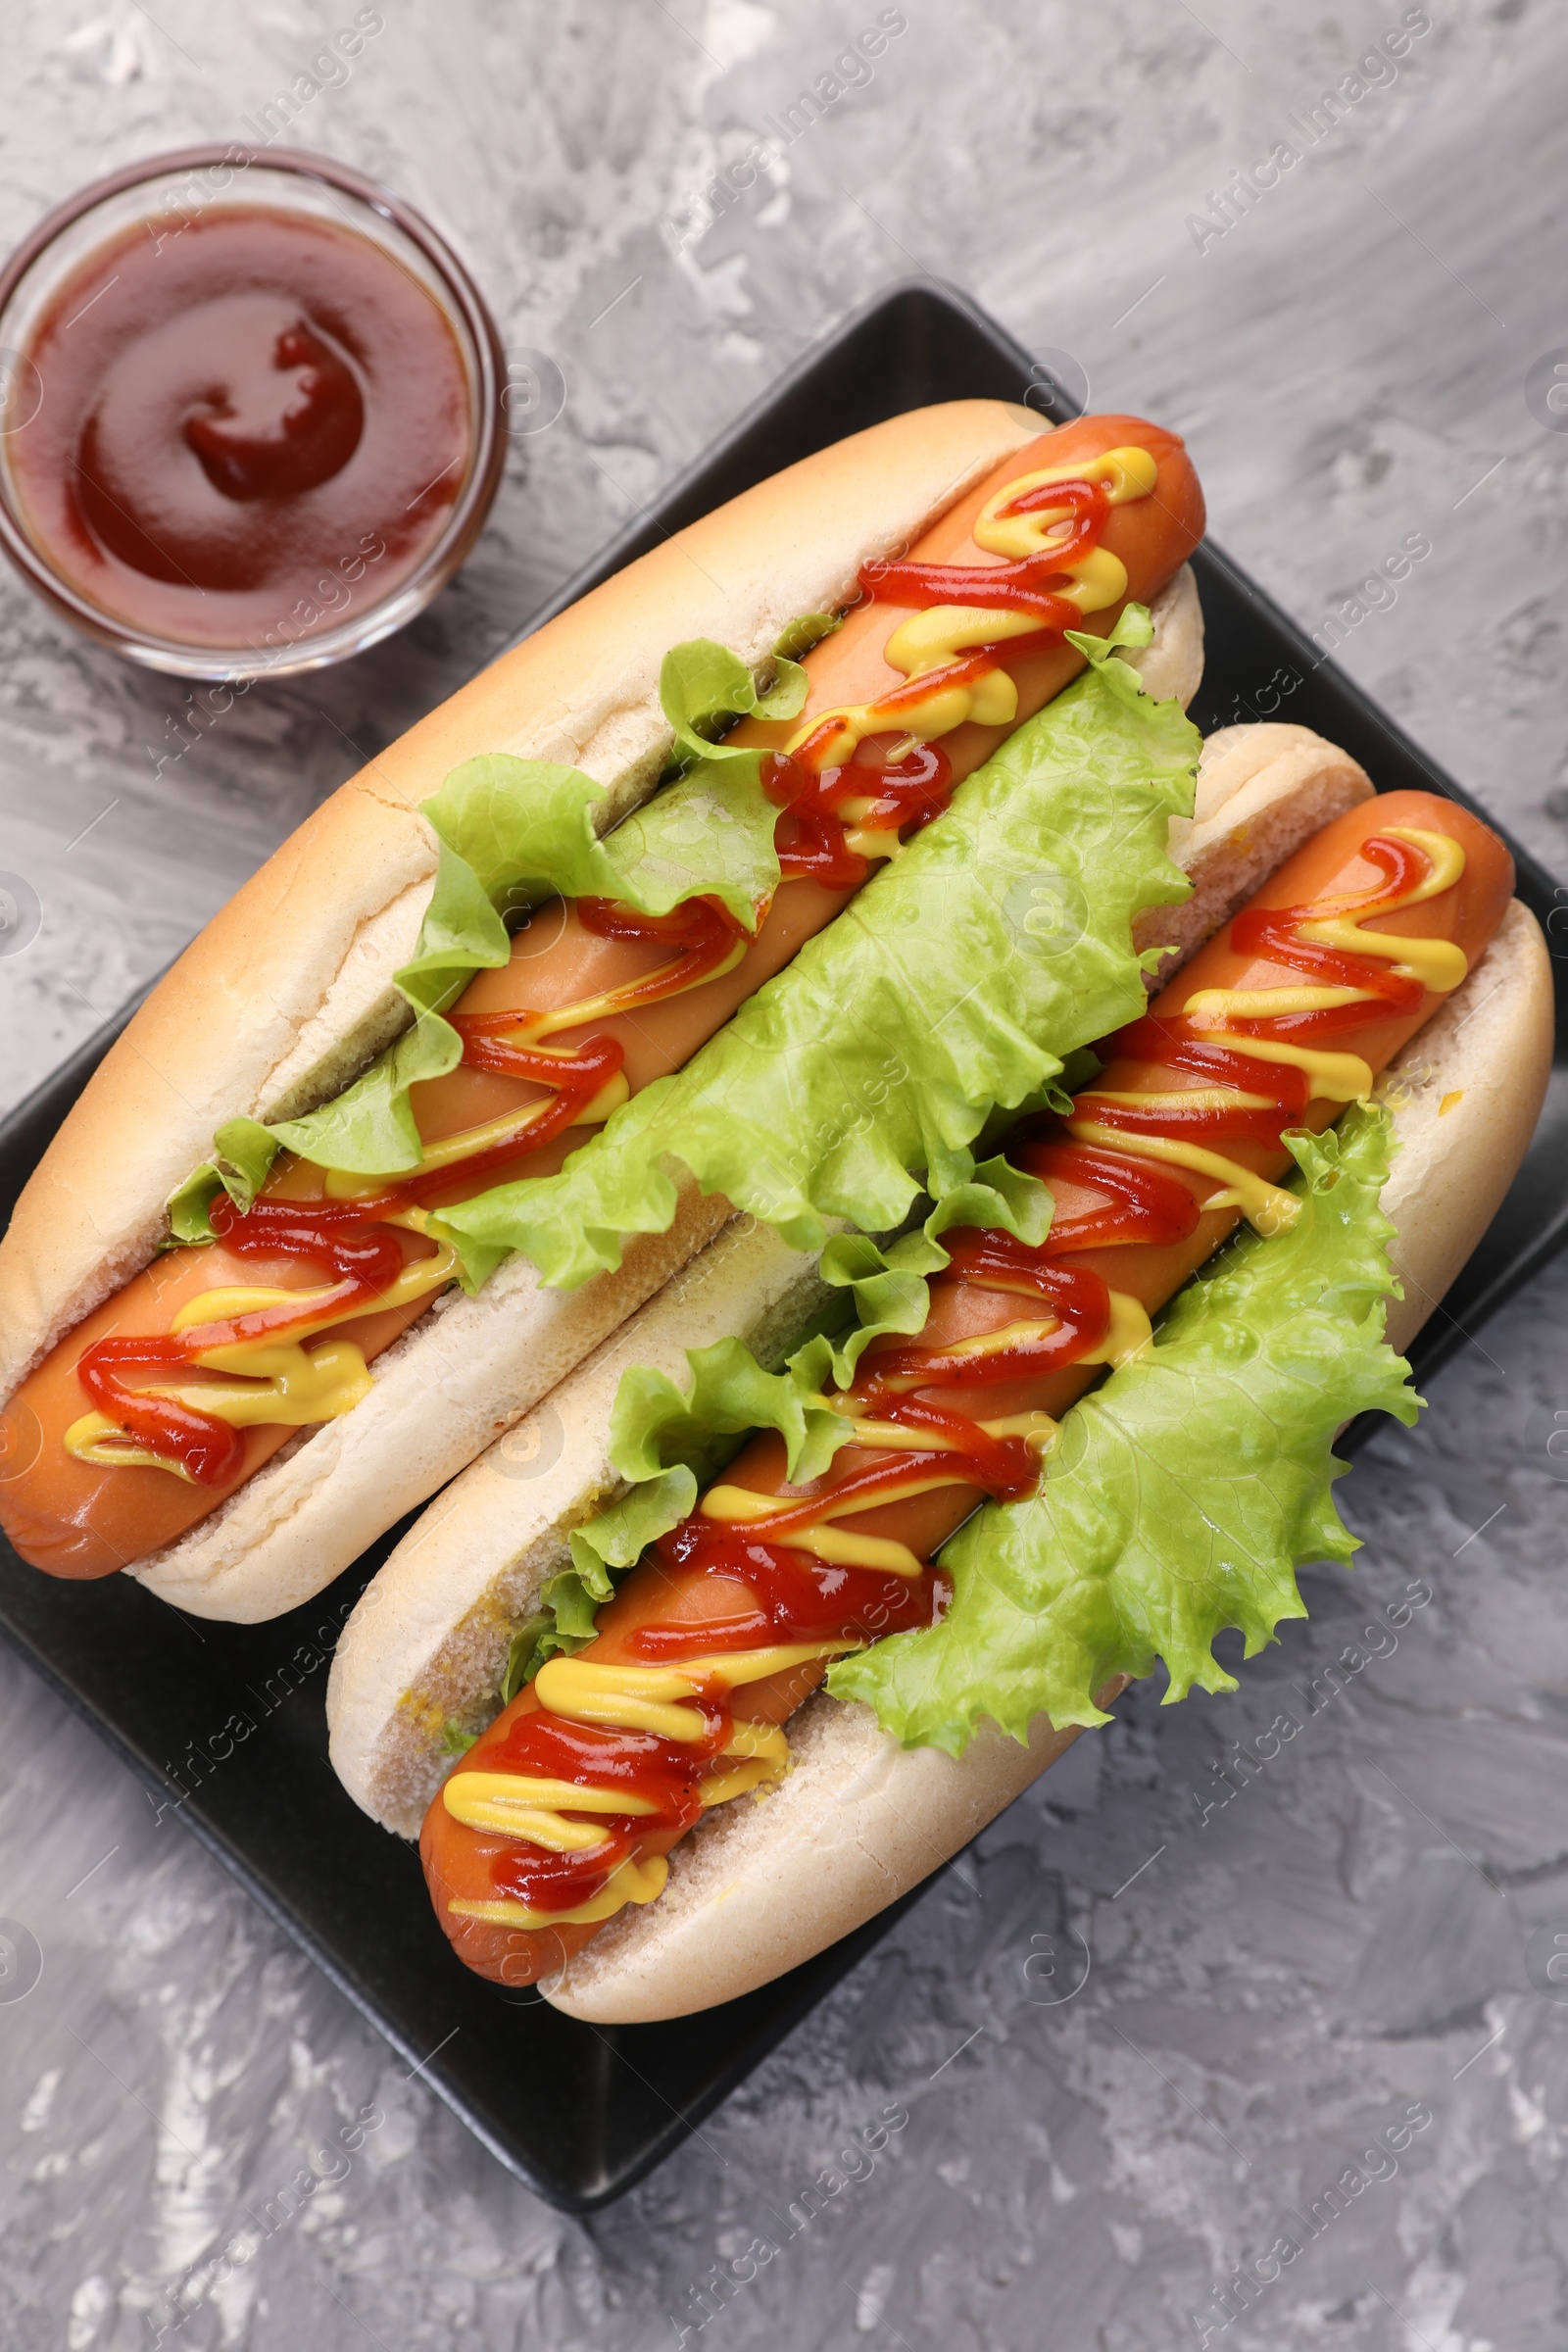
1333	1966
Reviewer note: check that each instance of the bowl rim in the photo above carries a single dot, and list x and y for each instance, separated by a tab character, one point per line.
470	512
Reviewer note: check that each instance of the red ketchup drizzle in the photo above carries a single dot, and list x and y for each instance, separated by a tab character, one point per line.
812	844
1027	585
346	1238
1176	1047
552	1881
577	1079
1270	934
795	1597
703	932
362	1259
811	834
916	788
548	1747
1141	1204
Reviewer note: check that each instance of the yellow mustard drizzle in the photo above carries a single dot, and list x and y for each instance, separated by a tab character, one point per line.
641	1699
1437	963
343	1184
892	1436
658	1698
624	998
293	1386
824	1539
651	1699
934	639
637	1880
289	1386
1127	1335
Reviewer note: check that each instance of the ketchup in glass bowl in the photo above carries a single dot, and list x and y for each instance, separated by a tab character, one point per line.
249	411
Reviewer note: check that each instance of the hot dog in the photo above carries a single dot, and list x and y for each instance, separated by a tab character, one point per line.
169	1416
1288	1013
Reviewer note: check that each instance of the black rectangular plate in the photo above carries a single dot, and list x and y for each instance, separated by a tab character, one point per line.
232	1715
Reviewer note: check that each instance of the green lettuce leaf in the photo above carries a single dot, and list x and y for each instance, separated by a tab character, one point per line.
671	1443
1182	1494
704	688
528	832
563	1623
513	833
956	980
243	1152
888	1283
369	1128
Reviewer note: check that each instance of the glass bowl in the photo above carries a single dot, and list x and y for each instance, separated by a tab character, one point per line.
164	194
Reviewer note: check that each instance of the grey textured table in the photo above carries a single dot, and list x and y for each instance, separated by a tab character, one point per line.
1313	1958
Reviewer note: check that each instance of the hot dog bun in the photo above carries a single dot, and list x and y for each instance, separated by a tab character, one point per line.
758	1889
285	995
288	991
427	1645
